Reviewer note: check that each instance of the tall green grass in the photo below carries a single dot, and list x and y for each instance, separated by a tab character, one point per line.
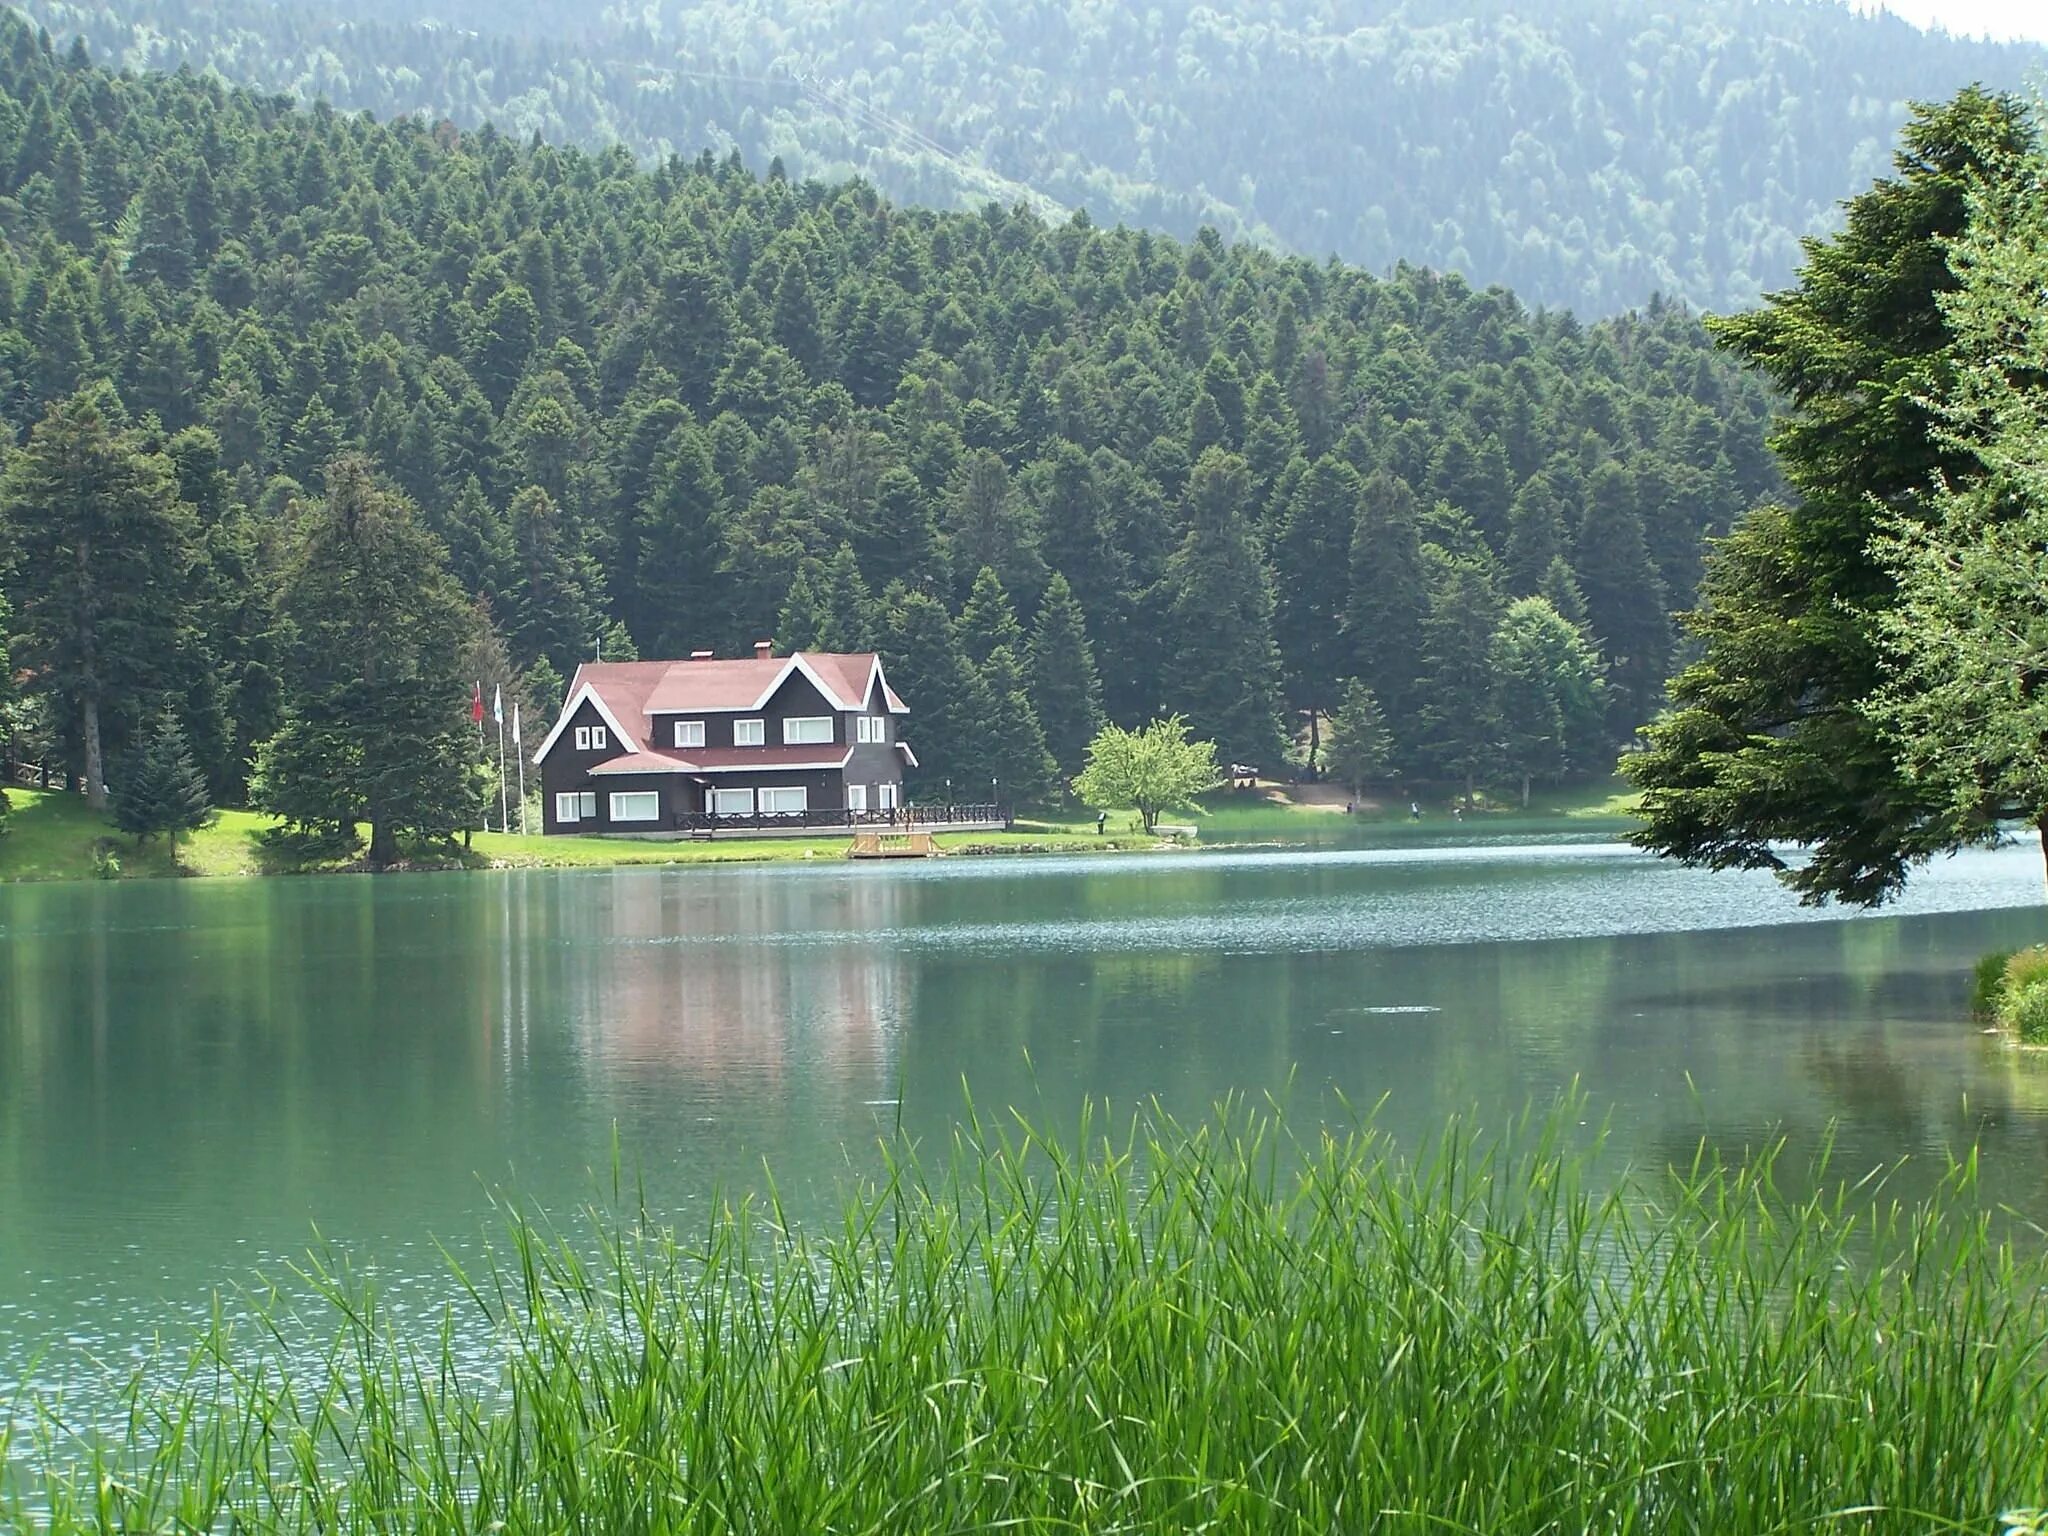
1187	1328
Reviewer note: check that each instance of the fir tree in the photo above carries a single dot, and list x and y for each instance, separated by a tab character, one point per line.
948	723
1020	769
103	556
1223	671
1312	571
161	788
375	728
1361	746
1389	602
1460	711
1063	677
988	623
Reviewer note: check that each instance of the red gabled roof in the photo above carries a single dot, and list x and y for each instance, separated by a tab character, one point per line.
629	692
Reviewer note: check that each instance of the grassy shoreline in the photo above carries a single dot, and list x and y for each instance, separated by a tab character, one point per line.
50	835
1219	1327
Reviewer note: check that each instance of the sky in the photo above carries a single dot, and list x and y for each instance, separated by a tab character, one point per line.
2004	19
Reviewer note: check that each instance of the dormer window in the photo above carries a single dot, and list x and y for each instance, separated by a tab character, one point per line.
689	733
749	733
807	730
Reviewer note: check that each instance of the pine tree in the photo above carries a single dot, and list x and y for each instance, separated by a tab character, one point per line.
549	607
950	708
1361	746
103	561
1223	669
988	623
1389	601
375	727
161	788
1020	769
847	617
1063	677
1312	571
1460	714
1625	607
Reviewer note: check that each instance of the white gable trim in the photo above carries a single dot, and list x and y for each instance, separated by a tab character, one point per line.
576	700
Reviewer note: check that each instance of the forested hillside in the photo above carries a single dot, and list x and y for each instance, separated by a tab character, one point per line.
1051	469
1587	153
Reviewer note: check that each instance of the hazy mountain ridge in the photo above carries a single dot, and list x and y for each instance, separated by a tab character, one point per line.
1589	156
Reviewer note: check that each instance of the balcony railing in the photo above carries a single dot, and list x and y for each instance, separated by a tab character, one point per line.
905	818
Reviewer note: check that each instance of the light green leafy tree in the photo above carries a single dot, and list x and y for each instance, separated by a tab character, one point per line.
1965	697
1152	769
1549	694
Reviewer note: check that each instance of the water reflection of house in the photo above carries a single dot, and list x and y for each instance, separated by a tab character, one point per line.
761	981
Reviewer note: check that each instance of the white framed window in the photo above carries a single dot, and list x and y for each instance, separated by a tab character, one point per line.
689	733
806	730
732	802
749	733
888	797
597	738
582	738
782	802
573	807
637	805
856	797
871	728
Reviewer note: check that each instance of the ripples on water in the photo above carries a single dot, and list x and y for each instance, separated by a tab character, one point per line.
194	1075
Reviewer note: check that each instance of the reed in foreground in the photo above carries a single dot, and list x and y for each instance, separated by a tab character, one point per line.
1192	1328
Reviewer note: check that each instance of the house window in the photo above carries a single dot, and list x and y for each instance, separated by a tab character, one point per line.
597	738
807	730
733	802
573	807
640	805
856	797
784	802
871	728
748	733
589	738
689	733
582	738
888	796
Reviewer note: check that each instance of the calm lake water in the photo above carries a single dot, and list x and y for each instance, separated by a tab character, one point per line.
196	1076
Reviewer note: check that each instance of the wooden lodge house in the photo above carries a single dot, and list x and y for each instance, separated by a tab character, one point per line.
748	744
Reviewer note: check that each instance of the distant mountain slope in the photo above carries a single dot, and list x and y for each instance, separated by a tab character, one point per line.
1586	152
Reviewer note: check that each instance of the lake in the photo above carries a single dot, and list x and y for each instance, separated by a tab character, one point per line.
198	1076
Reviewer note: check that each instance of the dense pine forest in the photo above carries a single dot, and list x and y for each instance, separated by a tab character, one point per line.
1587	153
1056	472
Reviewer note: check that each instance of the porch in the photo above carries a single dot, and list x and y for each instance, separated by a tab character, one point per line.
705	826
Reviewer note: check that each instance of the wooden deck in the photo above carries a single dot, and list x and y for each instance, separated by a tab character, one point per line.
892	845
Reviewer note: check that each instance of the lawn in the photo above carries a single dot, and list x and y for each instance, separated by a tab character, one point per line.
50	835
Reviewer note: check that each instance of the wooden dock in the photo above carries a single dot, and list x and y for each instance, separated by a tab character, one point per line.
892	845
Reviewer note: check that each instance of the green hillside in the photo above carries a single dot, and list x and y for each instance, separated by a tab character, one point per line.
1587	153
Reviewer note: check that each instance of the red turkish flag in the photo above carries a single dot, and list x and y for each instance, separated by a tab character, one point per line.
476	706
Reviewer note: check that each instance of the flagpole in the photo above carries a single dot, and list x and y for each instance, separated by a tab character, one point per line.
520	753
498	709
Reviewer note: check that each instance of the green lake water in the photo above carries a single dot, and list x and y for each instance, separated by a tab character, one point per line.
197	1076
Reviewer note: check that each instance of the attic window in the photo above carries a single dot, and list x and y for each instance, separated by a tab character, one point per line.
806	730
689	733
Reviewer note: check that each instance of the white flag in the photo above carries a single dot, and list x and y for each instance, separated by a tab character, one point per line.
515	722
498	704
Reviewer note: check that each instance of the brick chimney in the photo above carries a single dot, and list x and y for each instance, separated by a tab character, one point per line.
764	650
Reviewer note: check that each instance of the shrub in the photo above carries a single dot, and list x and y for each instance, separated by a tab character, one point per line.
1987	984
2025	966
2025	1011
